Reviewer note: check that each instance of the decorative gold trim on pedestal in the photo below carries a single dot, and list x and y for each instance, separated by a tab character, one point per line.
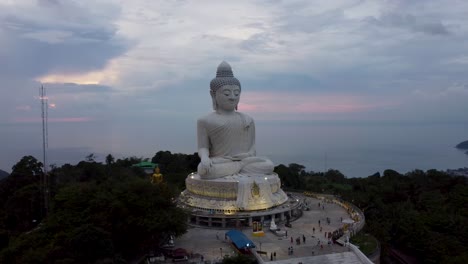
252	192
255	190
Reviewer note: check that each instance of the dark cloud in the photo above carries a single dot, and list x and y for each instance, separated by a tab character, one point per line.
294	21
433	28
37	46
411	22
31	58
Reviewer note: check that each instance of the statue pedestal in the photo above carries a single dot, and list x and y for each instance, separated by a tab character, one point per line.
234	193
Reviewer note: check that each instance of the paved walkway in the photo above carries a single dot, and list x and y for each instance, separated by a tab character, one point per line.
211	243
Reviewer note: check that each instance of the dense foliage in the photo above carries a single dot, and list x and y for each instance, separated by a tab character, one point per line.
108	212
239	259
99	213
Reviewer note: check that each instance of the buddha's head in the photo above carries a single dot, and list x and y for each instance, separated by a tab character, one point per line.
225	89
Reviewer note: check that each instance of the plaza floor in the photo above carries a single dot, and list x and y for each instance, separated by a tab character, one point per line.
210	244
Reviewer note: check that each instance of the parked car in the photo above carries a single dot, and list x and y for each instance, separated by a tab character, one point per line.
179	254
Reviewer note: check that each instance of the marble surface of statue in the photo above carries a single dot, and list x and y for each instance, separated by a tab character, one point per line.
226	137
230	176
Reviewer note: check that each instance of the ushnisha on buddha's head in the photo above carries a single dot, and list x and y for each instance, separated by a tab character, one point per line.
225	89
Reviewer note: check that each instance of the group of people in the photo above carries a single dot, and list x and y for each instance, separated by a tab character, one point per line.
321	206
290	250
298	240
273	256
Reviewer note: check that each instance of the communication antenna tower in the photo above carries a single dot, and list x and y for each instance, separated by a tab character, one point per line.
45	146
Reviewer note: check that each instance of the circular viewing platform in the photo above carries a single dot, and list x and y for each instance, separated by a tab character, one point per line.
313	218
221	218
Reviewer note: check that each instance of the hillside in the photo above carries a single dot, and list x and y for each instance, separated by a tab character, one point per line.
3	174
462	145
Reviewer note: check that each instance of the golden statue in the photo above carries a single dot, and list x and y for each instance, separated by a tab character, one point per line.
157	177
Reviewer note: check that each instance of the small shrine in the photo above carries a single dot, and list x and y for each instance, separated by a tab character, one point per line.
156	177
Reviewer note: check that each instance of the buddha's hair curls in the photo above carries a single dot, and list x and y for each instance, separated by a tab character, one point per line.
224	76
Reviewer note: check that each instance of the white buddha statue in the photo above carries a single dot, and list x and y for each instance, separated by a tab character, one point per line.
226	137
230	177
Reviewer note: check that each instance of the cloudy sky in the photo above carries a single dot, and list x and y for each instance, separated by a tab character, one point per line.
131	77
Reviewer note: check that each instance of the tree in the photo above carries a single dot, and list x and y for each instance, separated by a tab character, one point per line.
162	158
89	243
239	259
96	221
335	176
28	165
291	176
109	159
128	162
91	157
23	209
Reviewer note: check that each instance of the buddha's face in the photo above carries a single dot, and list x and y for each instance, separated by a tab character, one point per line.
227	97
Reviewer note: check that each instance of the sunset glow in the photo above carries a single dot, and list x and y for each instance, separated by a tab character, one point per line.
86	78
53	120
306	103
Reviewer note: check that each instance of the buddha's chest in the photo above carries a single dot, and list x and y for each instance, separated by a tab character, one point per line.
228	125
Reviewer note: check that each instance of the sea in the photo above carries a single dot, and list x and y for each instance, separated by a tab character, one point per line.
356	149
360	150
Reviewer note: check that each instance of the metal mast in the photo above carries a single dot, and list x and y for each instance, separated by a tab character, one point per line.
45	145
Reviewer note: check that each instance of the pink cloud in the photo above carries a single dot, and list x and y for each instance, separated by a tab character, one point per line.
23	107
281	102
248	107
53	120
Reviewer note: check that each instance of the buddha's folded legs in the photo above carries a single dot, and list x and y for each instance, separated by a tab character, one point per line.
251	165
257	165
218	170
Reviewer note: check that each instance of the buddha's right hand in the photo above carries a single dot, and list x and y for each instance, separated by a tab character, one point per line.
204	166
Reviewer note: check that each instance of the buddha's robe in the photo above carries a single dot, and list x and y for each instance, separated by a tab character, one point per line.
230	139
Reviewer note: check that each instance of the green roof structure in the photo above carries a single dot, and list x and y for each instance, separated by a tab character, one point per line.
145	165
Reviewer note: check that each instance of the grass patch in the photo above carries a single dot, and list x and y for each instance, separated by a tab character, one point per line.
366	243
